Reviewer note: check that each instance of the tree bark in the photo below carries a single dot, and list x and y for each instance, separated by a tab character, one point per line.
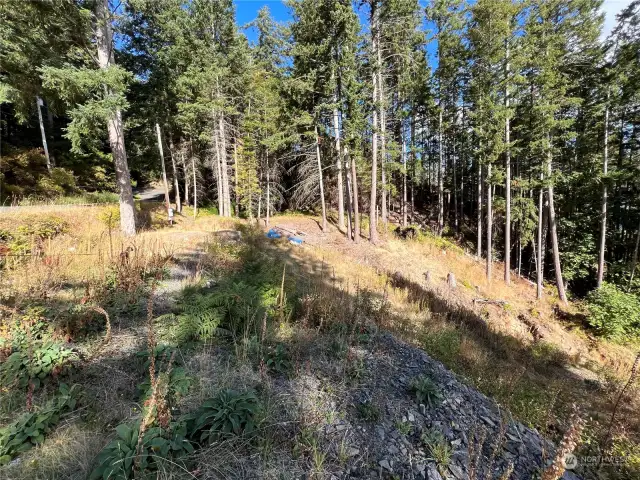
356	208
195	186
603	213
404	178
164	170
455	187
321	181
224	167
540	256
336	133
634	260
185	172
218	167
489	223
440	174
373	231
349	195
479	241
507	182
104	42
176	186
554	233
268	205
42	132
383	128
235	175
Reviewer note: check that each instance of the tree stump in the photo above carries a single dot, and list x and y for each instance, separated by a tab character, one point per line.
451	280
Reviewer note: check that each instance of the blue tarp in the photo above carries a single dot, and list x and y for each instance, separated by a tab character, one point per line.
273	234
296	240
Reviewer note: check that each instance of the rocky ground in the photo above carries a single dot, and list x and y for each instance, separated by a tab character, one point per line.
395	444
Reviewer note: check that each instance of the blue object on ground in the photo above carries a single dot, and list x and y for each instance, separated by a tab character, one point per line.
296	240
273	234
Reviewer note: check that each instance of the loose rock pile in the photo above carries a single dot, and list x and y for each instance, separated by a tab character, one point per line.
484	442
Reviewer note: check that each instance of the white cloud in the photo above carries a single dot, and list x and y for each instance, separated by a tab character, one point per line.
611	8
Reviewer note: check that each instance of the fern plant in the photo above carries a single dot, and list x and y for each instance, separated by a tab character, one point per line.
229	413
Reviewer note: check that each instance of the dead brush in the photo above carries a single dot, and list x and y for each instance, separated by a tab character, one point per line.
102	311
569	442
477	462
156	407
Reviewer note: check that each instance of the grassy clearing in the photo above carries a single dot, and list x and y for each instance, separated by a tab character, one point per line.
259	320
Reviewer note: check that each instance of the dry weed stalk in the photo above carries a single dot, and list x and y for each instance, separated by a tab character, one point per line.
102	311
632	377
497	446
157	407
476	442
568	444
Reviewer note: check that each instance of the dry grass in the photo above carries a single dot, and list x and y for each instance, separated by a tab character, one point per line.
487	344
68	454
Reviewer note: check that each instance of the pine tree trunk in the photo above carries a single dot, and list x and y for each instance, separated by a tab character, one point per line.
489	223
186	175
603	213
540	256
165	184
321	180
634	260
507	182
104	41
554	235
176	186
383	128
413	167
479	198
226	200
440	174
235	175
356	208
268	205
195	186
336	133
373	202
455	187
404	181
42	132
349	195
218	167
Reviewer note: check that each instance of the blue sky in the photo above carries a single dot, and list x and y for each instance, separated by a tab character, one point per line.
246	10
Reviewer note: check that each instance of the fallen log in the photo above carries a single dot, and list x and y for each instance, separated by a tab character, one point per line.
501	303
292	232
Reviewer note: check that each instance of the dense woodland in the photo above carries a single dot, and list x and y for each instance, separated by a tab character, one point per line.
513	126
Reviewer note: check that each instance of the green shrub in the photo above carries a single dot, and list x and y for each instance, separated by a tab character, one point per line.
368	411
426	391
120	458
35	364
277	359
177	382
110	217
29	429
612	312
229	413
439	449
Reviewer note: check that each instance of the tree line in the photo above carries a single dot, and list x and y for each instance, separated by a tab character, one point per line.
512	125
